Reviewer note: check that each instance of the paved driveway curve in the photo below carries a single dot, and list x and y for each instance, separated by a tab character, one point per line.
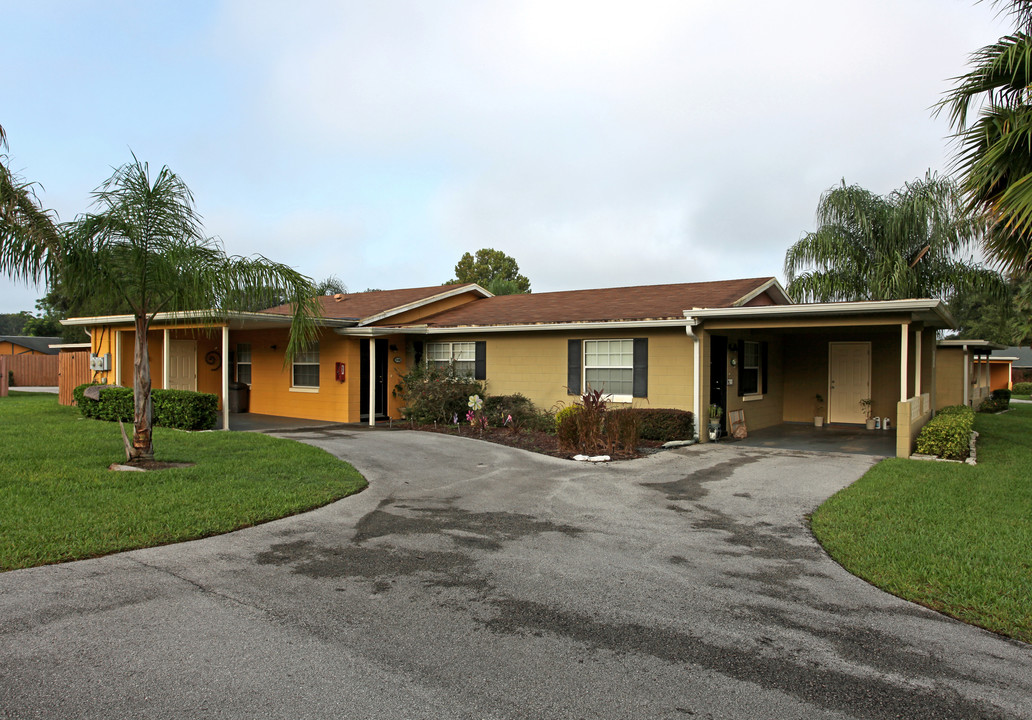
475	581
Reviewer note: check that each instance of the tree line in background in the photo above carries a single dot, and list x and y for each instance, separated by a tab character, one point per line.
917	240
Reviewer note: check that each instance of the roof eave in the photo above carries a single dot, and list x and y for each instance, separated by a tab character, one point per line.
416	304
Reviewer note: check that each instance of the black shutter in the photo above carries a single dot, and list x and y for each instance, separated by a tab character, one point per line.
573	367
739	356
480	364
641	368
417	349
763	368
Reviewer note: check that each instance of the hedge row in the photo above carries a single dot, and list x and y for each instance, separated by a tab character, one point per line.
948	434
180	409
1022	388
662	424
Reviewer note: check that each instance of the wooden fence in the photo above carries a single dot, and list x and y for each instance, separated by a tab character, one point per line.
34	370
74	371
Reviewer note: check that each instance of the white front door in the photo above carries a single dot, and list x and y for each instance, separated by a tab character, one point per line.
182	364
849	381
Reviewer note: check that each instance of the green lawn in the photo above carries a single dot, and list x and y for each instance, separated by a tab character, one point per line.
60	502
1021	397
952	537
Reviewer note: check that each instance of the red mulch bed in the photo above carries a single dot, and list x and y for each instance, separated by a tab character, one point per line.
532	440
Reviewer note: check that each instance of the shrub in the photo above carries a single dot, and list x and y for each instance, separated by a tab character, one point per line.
592	429
995	403
948	434
180	409
563	413
499	407
661	424
1022	388
437	393
185	409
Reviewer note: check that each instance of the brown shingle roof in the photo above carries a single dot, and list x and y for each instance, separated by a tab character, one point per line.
356	306
642	302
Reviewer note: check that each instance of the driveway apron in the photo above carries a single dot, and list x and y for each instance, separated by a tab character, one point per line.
471	580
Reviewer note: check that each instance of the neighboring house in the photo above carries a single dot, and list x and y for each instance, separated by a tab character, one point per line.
1021	363
740	344
26	345
964	372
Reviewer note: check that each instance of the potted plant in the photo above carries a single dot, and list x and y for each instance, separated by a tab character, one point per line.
715	426
818	411
865	408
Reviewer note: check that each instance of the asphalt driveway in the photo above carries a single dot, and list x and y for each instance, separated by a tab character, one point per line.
474	581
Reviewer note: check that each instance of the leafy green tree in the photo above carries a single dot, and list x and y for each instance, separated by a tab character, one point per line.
993	152
13	323
493	270
332	285
983	317
907	244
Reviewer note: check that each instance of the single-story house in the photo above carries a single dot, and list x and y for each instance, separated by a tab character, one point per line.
740	344
27	345
1020	363
964	373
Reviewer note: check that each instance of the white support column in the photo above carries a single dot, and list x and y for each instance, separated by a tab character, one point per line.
904	360
917	363
372	381
225	377
118	357
967	376
166	372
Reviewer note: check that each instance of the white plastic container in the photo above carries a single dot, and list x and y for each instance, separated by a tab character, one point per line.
886	423
877	423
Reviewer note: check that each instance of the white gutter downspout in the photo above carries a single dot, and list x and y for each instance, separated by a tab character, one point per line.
118	358
166	372
904	361
697	381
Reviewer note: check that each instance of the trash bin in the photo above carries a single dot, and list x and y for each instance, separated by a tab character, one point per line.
239	397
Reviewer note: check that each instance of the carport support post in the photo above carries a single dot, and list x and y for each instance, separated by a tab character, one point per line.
372	381
166	356
917	360
225	377
3	376
904	360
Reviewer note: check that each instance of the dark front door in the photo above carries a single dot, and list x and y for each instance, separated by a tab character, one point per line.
718	376
381	379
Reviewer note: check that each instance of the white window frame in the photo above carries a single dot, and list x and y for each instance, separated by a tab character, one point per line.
612	397
248	362
449	355
305	359
758	367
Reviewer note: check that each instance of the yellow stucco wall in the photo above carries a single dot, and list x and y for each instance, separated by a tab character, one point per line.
806	370
949	377
760	411
535	364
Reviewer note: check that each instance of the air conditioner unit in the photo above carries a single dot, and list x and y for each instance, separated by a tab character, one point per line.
100	363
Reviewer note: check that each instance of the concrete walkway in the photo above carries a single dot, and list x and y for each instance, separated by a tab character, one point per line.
471	580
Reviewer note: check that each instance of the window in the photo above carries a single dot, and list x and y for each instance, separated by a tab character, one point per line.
609	366
463	354
243	364
751	369
306	368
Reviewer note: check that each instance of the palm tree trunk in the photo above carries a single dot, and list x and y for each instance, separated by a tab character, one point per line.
143	447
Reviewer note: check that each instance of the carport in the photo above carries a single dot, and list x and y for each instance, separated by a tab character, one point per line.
848	439
787	364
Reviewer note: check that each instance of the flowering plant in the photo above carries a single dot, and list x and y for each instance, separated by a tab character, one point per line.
475	416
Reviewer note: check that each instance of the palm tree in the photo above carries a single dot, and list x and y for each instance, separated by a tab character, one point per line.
144	249
994	159
907	244
29	235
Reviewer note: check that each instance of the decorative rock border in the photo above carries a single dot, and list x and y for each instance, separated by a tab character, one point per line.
970	460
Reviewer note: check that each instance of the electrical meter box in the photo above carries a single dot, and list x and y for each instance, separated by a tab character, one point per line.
100	363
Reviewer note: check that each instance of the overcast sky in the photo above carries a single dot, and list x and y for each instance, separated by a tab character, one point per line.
599	143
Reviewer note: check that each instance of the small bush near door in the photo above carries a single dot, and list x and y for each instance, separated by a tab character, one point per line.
179	409
437	394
